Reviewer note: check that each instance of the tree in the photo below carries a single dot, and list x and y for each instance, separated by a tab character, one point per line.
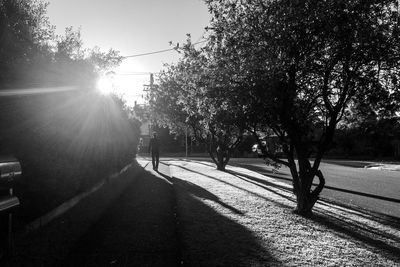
185	98
300	64
75	64
25	38
32	55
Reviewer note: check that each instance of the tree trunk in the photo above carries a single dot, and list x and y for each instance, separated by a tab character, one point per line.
222	152
305	196
221	167
220	159
304	202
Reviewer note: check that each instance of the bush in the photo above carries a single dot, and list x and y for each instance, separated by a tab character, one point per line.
66	142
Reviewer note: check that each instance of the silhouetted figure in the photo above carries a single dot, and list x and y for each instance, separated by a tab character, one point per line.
154	149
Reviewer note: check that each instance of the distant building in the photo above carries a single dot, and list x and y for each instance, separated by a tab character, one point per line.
145	130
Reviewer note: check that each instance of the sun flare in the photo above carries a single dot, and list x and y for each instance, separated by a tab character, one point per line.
105	85
127	81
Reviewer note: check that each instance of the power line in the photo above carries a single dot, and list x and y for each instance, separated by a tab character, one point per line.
135	73
150	53
160	51
132	73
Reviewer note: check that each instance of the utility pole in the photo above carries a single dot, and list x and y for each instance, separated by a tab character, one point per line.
148	88
186	142
151	80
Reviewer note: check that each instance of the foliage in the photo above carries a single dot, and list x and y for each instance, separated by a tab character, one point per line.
32	55
25	38
64	144
75	64
298	66
371	138
65	141
185	98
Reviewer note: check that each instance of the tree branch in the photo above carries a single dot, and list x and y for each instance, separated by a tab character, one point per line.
315	193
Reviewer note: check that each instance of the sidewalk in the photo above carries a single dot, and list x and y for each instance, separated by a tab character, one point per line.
128	222
138	229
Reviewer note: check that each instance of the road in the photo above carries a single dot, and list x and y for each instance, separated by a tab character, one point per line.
348	175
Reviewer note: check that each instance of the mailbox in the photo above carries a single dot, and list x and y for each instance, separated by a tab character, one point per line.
9	172
8	202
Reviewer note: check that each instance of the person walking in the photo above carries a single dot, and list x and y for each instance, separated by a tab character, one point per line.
154	149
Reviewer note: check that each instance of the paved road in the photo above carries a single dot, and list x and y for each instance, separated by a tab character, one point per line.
138	229
375	182
343	175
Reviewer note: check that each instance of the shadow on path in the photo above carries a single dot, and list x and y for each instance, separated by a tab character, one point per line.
200	192
211	239
235	186
138	229
142	228
261	182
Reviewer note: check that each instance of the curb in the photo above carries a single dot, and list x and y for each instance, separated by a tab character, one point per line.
67	205
178	228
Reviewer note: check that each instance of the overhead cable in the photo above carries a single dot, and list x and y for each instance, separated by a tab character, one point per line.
160	51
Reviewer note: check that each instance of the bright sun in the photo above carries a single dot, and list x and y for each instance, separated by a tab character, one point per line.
105	85
121	82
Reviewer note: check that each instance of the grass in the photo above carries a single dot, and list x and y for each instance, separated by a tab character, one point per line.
243	218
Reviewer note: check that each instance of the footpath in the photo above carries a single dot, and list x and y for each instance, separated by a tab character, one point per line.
138	229
190	214
131	221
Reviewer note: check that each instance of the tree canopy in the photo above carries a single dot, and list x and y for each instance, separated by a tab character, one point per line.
31	54
293	68
185	98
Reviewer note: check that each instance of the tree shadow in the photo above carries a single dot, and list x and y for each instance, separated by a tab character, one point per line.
361	227
158	214
208	163
388	220
211	239
276	175
358	230
341	222
262	170
258	182
241	176
235	186
199	192
382	218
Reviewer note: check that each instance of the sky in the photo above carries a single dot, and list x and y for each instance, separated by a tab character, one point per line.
133	27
